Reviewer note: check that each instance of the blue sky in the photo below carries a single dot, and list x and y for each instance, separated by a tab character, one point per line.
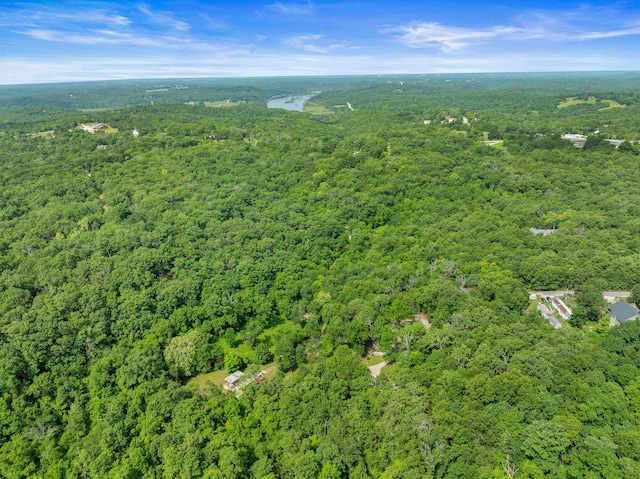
52	41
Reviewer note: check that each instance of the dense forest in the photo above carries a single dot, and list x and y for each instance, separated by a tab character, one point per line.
195	232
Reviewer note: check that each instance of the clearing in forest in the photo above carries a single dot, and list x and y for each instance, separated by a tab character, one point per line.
590	101
221	104
612	104
243	350
315	109
377	368
575	101
97	127
42	134
217	378
372	360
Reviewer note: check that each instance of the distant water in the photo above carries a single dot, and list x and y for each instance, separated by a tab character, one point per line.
291	103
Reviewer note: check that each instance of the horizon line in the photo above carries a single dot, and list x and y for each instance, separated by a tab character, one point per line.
260	77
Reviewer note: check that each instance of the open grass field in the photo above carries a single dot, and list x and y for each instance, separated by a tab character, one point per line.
316	109
388	370
495	143
372	360
612	104
575	101
243	350
221	104
109	130
42	134
590	101
217	377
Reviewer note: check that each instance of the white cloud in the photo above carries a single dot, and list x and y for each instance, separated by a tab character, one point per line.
94	17
14	17
238	63
609	34
93	37
583	24
304	42
164	18
431	34
160	43
312	43
138	41
292	8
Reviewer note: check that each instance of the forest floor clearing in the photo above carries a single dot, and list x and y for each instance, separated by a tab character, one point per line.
217	377
571	101
316	109
377	369
612	104
371	360
243	350
42	134
423	319
221	103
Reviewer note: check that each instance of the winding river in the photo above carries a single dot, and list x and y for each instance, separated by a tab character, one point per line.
291	102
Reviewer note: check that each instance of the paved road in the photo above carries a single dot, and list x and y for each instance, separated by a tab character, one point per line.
619	294
610	296
375	369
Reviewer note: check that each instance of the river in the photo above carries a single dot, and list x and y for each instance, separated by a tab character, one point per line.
291	102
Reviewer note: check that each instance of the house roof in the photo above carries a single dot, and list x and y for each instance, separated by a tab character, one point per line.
546	312
623	311
234	377
535	231
554	322
561	307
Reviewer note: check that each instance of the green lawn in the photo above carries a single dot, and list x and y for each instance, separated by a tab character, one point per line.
591	101
243	350
387	370
215	377
316	109
371	360
270	369
42	134
574	101
221	104
612	104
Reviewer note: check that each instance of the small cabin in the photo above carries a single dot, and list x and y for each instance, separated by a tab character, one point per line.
232	380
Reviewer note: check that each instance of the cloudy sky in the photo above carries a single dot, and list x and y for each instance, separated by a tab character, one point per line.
52	41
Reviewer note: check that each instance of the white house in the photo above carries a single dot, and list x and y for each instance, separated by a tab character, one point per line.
562	308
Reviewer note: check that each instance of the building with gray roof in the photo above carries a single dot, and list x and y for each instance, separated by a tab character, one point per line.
622	312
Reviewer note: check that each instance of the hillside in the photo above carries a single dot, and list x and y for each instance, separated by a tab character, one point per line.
228	238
